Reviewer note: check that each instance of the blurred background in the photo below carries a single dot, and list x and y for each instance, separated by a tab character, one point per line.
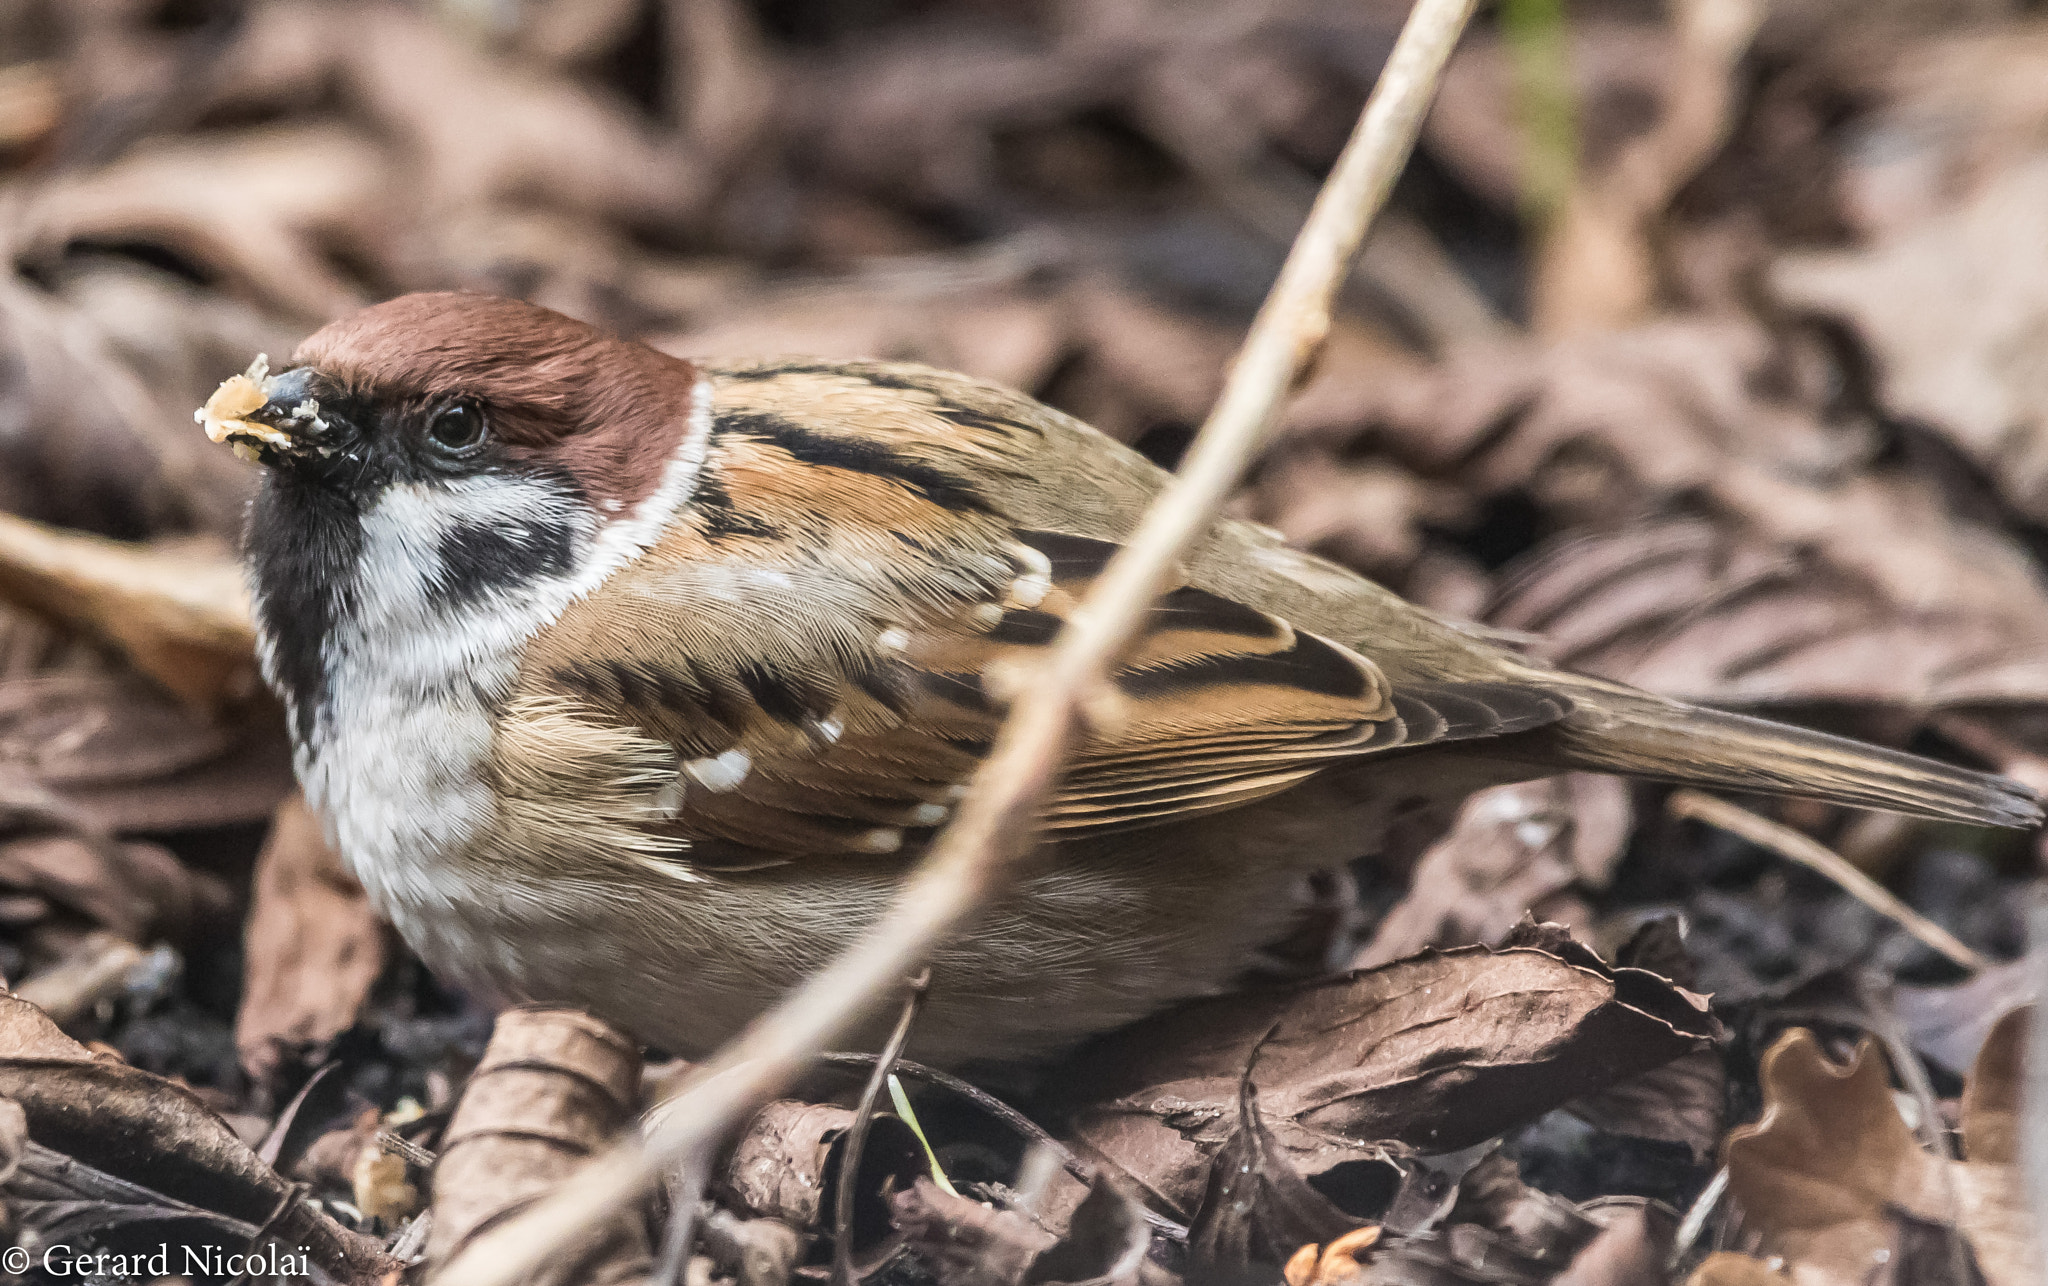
1706	339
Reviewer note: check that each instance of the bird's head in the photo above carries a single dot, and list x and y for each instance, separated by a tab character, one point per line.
440	467
430	390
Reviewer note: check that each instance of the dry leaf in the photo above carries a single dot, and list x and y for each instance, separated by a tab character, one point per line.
1703	610
1631	1248
966	1243
1257	1204
555	1087
312	946
472	129
125	756
1953	310
1434	1053
1511	851
1950	1024
137	891
1725	1268
180	615
1818	1176
293	188
152	1132
789	1156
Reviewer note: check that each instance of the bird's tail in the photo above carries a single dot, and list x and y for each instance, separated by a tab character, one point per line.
1617	729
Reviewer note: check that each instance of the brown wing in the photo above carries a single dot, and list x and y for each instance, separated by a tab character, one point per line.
821	636
820	745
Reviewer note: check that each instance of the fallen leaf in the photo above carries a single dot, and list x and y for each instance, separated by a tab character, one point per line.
1725	1268
787	1166
1631	1248
1432	1053
312	946
1257	1204
1817	1177
138	891
1952	309
1511	850
555	1086
755	1252
180	615
1702	610
1950	1024
967	1243
153	1133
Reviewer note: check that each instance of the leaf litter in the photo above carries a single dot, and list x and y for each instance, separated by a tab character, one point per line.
1728	387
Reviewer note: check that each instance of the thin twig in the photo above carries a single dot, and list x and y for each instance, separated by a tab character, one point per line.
1024	1126
993	834
686	1194
857	1133
1695	1221
1814	856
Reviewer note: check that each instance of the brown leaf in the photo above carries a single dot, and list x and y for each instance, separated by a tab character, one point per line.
1680	1102
1500	1221
153	1132
126	756
1950	1024
1630	1249
312	947
1703	610
1951	111
787	1163
95	969
1953	309
1257	1207
1435	1052
180	615
1819	1175
80	727
111	449
472	129
1512	849
138	891
555	1086
972	313
289	184
965	1243
1725	1268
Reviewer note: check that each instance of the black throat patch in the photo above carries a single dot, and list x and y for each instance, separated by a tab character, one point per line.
302	543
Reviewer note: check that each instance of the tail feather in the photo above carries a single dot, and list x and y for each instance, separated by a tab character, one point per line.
1628	732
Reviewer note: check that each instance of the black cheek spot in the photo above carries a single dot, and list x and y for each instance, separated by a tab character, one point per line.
478	559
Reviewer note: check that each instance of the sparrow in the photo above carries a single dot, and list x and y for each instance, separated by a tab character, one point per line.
635	683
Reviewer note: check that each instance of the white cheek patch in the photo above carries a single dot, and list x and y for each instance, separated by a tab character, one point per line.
414	670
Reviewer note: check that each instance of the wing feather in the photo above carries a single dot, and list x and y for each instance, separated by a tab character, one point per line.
852	721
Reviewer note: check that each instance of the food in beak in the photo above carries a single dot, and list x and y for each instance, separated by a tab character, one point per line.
237	397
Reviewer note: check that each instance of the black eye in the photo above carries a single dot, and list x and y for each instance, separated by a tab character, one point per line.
458	428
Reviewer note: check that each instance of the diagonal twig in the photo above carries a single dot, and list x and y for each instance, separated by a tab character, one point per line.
991	838
1817	857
